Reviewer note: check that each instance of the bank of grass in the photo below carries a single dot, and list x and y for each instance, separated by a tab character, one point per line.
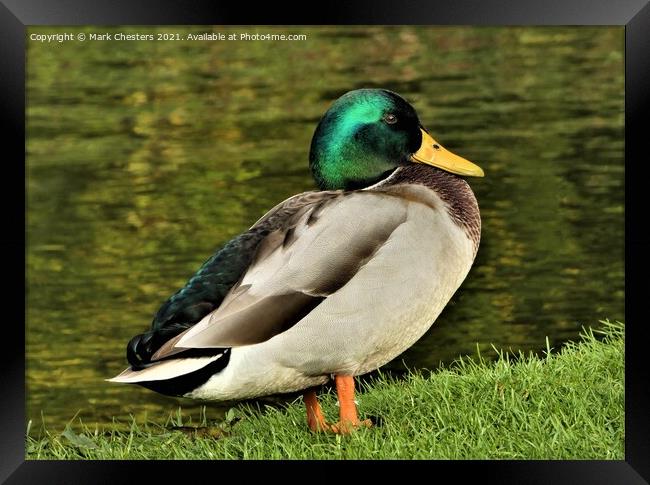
565	405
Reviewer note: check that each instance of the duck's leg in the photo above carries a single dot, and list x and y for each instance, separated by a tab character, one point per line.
315	418
348	409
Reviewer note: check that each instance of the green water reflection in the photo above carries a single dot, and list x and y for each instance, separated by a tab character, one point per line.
143	157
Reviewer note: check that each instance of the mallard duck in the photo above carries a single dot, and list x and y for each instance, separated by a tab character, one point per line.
328	283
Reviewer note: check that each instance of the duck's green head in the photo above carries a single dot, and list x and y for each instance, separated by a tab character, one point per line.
366	134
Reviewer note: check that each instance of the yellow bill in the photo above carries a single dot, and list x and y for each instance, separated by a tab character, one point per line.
432	153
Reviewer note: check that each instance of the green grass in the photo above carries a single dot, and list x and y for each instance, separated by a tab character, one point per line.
564	405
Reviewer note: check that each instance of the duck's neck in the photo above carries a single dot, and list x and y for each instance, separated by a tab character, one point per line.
454	191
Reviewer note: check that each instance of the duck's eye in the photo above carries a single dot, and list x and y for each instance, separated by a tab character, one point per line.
390	118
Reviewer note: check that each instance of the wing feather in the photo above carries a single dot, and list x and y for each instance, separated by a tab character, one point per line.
325	239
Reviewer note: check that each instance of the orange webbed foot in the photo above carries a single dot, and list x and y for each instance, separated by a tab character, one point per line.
347	427
348	419
315	419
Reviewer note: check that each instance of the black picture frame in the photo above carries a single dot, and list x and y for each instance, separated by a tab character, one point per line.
16	15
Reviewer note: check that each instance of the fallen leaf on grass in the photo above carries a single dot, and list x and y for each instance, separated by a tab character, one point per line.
78	440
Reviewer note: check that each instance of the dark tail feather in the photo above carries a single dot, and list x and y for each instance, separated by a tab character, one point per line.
141	347
137	353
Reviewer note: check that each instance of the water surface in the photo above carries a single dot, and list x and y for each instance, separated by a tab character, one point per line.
144	157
